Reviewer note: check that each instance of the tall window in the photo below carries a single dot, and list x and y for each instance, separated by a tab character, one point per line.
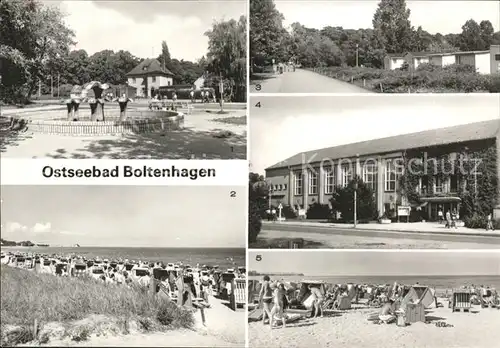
329	181
346	175
153	79
370	175
313	182
390	176
439	187
297	189
133	80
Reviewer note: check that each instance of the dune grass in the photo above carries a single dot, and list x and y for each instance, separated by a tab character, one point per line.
28	296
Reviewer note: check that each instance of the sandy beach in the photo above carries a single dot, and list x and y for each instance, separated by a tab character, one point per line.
479	328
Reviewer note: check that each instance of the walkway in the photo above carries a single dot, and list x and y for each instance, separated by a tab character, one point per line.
303	81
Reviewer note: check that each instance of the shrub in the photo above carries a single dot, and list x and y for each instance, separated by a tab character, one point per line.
475	221
254	222
494	84
288	213
319	211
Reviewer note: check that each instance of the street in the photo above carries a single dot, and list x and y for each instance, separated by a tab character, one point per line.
303	81
345	238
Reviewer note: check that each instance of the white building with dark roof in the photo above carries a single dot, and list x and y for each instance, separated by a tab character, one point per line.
148	77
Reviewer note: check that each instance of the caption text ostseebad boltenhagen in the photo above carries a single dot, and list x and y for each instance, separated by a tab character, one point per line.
128	172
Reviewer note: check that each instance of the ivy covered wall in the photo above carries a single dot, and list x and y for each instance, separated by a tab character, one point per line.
473	164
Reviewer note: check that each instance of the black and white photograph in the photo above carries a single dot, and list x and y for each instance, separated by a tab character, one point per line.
383	172
123	79
126	266
374	46
373	299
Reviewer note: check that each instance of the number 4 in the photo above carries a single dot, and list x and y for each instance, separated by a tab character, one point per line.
258	105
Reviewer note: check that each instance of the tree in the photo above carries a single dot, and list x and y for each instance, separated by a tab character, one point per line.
470	38
33	37
164	57
342	201
392	26
487	32
267	35
227	56
257	191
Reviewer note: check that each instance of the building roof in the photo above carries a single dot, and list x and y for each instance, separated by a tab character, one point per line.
148	67
435	137
434	54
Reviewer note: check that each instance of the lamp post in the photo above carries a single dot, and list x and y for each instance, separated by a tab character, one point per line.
355	203
357	54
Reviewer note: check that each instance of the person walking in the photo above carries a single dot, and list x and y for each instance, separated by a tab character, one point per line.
448	219
454	216
489	223
318	301
266	298
440	216
280	304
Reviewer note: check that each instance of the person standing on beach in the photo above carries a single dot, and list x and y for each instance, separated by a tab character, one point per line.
317	300
280	304
266	298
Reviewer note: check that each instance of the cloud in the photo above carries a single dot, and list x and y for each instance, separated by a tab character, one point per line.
71	233
12	227
41	227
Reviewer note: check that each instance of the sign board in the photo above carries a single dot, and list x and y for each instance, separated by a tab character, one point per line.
404	211
280	206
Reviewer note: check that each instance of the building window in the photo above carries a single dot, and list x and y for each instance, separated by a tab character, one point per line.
439	185
133	79
284	187
298	184
329	181
370	175
168	83
497	57
279	187
453	183
153	79
390	176
313	183
346	175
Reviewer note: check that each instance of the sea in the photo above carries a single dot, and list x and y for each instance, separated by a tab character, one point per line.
224	257
437	282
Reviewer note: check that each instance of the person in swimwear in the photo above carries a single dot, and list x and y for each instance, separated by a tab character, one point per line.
318	300
266	298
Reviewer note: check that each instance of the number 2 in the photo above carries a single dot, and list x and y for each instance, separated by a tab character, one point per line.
232	194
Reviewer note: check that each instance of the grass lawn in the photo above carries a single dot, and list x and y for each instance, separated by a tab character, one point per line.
28	296
236	120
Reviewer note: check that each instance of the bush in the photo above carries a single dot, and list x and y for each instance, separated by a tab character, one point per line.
287	212
494	84
475	221
254	222
319	211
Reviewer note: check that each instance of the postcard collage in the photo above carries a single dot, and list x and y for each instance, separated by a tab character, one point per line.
250	173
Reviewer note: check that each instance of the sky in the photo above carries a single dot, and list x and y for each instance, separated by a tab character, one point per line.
126	216
436	16
362	263
285	126
140	26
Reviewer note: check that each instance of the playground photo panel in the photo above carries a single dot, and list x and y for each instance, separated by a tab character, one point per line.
384	172
177	253
155	98
366	298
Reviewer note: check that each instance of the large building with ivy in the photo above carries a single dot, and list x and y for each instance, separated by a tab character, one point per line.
442	169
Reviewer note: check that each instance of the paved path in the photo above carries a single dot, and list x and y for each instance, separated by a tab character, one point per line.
303	81
347	236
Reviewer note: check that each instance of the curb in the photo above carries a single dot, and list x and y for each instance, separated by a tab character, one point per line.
472	234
